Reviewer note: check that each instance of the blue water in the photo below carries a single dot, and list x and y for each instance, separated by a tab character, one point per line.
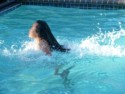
95	37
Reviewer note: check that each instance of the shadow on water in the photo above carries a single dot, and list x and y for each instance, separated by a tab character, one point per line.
67	85
64	75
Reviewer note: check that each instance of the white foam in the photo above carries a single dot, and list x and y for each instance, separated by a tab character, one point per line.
27	48
103	44
1	42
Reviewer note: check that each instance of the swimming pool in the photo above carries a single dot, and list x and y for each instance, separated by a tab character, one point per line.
95	37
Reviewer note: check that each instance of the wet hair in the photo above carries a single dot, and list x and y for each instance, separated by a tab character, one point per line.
44	32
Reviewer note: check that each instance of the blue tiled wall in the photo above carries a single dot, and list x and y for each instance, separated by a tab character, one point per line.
8	6
87	4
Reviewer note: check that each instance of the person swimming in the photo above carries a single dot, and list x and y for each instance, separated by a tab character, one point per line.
46	42
44	38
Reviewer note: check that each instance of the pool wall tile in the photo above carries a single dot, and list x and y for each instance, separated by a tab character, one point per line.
83	4
87	4
9	8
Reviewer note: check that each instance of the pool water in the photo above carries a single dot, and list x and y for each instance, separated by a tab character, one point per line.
95	37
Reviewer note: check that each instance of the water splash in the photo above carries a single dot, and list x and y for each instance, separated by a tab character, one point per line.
1	42
102	44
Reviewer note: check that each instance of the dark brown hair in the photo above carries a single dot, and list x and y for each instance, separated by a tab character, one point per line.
44	32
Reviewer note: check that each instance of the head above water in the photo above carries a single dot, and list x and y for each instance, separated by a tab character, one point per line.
41	29
38	29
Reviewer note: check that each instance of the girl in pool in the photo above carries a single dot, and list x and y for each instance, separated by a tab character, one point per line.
45	40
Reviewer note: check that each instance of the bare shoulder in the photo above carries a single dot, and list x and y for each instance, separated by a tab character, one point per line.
43	45
45	42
